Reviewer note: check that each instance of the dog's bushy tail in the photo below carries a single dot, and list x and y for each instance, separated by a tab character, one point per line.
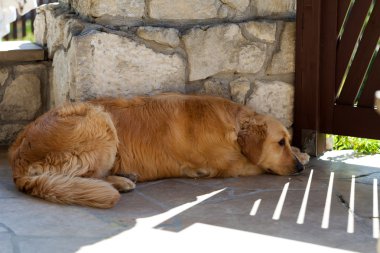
69	190
49	162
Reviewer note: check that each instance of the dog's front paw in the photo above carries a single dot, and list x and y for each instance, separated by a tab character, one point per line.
196	173
131	176
302	157
122	184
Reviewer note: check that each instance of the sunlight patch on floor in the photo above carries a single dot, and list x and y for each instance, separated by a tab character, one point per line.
202	238
349	157
153	221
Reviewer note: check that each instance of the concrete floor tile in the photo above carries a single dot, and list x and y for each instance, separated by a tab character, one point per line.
6	245
50	245
171	193
8	189
130	207
28	216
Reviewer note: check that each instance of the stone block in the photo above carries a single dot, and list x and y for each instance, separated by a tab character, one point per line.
106	64
274	98
90	63
4	73
179	12
164	36
8	132
22	98
40	25
273	8
222	48
183	9
60	83
50	26
66	2
99	8
55	27
264	31
283	61
216	88
31	68
240	5
239	89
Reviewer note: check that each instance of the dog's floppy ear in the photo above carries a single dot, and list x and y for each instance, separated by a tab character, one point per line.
251	138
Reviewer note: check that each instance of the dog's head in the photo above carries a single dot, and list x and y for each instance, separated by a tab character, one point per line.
266	143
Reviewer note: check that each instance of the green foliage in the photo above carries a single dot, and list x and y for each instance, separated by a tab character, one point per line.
29	33
360	145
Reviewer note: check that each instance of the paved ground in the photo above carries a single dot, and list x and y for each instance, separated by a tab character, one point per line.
184	215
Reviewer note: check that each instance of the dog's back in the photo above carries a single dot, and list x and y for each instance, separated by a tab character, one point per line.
174	135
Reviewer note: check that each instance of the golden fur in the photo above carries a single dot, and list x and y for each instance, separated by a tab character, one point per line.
80	153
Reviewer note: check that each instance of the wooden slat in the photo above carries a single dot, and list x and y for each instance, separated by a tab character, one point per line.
342	11
350	35
373	84
23	25
327	74
358	122
14	29
307	67
298	125
363	56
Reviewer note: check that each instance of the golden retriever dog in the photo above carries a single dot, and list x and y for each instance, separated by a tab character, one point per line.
82	153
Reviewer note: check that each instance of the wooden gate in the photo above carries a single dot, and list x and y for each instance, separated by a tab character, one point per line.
337	67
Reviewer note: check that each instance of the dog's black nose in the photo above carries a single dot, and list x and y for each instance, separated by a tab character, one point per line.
299	166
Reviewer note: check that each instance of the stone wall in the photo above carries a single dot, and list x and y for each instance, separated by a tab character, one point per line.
22	96
243	50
